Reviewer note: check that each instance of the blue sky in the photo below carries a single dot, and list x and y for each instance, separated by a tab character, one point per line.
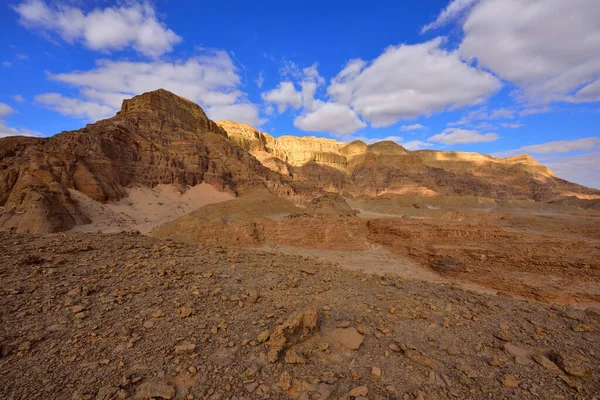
501	77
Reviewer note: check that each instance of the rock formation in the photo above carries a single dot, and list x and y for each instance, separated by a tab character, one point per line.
161	138
156	138
358	169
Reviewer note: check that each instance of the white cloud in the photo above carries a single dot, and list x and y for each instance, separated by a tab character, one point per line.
330	117
482	114
74	107
416	145
452	136
284	96
556	147
588	93
211	80
5	131
450	13
512	126
260	79
6	110
408	81
18	98
534	110
583	168
6	64
132	24
549	48
413	127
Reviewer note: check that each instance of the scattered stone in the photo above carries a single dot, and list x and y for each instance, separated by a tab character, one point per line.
584	327
376	373
347	337
575	365
291	357
105	393
297	328
421	359
149	324
509	381
545	362
154	389
185	348
251	387
263	336
516	351
285	381
77	309
184	312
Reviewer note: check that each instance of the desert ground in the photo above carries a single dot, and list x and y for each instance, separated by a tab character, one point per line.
263	297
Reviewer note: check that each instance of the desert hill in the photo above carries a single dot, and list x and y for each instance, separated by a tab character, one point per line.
159	138
156	138
358	169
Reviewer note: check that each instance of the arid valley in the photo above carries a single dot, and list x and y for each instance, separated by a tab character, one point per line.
159	254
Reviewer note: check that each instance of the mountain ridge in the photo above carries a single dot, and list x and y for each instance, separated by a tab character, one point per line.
161	138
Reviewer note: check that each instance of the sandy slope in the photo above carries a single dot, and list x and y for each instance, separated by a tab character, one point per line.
145	208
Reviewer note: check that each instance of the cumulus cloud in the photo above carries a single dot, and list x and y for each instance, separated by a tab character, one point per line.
74	107
408	81
556	147
211	80
583	168
453	136
330	117
455	9
18	98
5	111
413	127
283	96
548	48
131	24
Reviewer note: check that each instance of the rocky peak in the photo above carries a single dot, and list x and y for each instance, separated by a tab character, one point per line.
162	105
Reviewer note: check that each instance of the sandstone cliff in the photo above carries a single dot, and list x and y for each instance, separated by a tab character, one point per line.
358	169
156	138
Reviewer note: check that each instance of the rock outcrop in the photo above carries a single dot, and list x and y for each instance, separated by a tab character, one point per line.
358	169
161	138
156	138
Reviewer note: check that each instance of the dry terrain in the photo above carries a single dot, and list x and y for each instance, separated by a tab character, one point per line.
160	255
103	316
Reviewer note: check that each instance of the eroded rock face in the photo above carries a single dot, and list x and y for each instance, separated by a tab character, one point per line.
156	138
358	169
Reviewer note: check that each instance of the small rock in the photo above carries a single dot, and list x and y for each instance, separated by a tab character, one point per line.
263	336
251	387
291	357
184	312
583	327
573	365
358	391
155	389
285	381
376	373
185	348
509	381
348	337
545	362
149	324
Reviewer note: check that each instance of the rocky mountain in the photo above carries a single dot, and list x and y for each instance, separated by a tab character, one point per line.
161	138
156	138
358	169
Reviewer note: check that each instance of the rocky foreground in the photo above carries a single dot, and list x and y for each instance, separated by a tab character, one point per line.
99	316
